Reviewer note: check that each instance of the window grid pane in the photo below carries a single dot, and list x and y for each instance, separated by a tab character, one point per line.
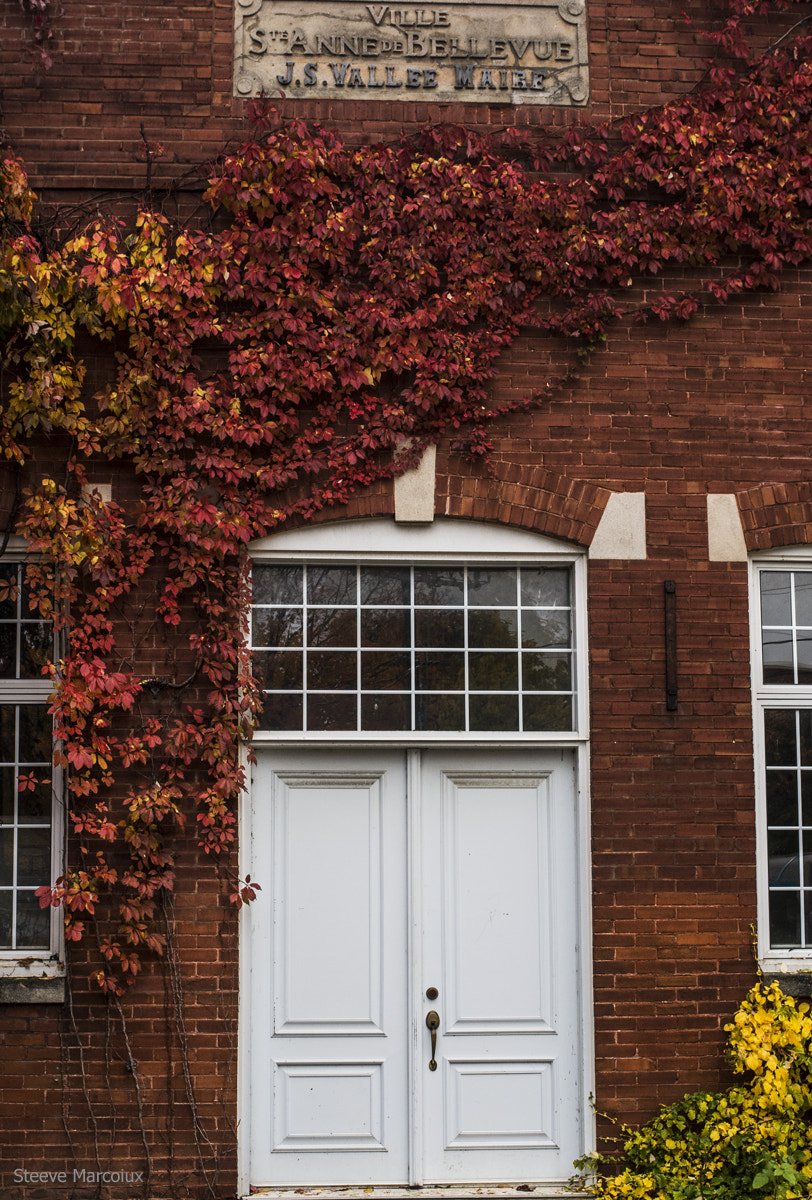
786	627
25	639
509	628
25	827
789	838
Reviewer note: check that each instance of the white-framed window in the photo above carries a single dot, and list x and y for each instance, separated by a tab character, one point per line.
372	629
782	691
30	814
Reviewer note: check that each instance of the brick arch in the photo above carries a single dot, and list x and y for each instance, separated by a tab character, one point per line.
528	497
522	496
776	514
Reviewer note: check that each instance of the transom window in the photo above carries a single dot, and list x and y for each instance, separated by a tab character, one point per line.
429	648
783	696
26	788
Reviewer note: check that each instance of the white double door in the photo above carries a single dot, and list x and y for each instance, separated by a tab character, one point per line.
398	884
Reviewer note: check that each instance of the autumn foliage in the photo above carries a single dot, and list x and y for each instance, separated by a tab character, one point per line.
268	361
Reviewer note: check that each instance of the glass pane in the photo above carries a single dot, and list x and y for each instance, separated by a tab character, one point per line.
34	806
385	627
439	670
33	923
439	628
776	604
543	587
806	865
491	585
35	648
8	591
328	711
29	606
281	710
385	585
803	597
493	672
331	585
7	795
552	713
803	650
782	798
808	916
8	733
806	797
784	858
386	712
777	649
493	628
779	737
785	919
277	585
8	651
6	901
332	669
278	670
277	627
547	672
439	585
440	712
332	627
493	712
805	730
386	671
36	734
6	857
545	628
33	856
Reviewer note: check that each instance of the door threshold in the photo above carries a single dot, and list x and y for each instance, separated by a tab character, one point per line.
499	1191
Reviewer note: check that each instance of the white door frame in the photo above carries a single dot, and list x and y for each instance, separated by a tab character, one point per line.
441	542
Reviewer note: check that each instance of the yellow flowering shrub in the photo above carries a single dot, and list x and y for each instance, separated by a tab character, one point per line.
752	1142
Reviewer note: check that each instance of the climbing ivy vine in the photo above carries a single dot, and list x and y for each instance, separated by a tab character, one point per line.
266	363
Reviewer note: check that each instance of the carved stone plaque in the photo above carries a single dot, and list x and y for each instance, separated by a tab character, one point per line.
532	52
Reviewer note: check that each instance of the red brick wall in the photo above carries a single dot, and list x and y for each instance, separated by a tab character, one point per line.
169	67
715	406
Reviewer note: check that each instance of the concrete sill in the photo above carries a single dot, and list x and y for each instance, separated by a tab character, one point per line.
32	990
794	983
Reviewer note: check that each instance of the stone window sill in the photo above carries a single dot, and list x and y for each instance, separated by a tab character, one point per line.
44	984
794	983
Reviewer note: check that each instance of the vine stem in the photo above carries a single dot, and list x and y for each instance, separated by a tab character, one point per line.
132	1067
176	994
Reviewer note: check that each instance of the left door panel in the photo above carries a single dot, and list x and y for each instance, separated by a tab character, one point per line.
328	973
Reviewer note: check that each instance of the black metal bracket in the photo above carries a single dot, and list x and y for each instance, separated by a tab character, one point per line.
671	700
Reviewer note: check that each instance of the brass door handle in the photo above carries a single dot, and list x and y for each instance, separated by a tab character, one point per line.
433	1023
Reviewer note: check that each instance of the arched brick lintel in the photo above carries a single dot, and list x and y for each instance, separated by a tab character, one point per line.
776	514
525	497
530	498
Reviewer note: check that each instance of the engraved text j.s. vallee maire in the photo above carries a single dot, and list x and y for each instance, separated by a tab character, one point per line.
514	53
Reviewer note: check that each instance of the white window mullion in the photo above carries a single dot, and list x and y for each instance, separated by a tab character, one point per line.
412	652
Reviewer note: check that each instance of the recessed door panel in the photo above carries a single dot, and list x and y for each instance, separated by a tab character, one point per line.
498	903
329	903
